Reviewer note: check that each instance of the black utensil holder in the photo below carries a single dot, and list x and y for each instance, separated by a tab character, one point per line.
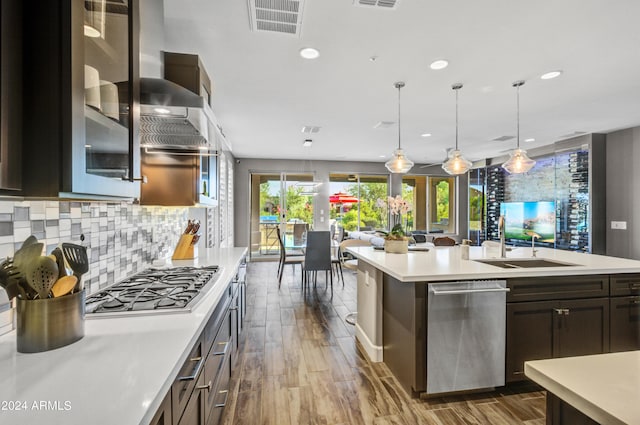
50	323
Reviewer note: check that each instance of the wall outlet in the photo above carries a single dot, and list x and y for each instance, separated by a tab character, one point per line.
619	225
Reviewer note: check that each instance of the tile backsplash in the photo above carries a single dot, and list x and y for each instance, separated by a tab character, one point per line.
121	238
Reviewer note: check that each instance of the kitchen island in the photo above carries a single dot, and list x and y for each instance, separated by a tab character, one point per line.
122	369
603	388
578	304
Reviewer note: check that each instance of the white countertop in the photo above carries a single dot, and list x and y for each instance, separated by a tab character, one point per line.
443	263
118	373
605	387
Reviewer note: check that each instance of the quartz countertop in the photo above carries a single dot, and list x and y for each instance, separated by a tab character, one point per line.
605	387
442	263
118	373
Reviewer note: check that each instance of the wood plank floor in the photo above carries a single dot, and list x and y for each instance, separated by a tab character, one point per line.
299	363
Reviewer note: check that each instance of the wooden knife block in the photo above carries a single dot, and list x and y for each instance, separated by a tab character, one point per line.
184	248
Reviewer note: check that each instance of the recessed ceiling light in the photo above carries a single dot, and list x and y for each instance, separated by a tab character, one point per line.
382	156
531	139
439	64
307	143
309	53
550	75
426	135
162	110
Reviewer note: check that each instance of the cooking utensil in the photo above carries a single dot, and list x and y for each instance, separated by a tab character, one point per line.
189	227
26	254
62	267
195	227
64	285
42	273
76	257
29	241
9	278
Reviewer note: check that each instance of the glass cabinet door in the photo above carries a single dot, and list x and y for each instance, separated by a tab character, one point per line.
106	82
103	47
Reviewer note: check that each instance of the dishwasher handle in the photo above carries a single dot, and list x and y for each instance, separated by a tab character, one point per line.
467	291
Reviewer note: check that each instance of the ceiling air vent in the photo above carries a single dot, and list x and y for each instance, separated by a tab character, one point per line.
378	4
311	129
503	138
283	16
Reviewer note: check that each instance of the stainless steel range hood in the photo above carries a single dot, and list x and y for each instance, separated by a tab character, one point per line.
172	117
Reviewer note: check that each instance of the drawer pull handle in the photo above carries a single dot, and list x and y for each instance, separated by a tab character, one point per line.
224	351
234	308
634	302
196	370
226	396
634	286
558	310
562	311
204	387
518	373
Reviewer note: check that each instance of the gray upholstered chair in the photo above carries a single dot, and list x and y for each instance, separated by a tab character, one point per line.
317	256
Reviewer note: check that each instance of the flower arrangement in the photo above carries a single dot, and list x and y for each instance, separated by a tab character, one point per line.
397	207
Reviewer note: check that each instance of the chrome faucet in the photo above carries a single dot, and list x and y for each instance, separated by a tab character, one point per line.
503	245
533	235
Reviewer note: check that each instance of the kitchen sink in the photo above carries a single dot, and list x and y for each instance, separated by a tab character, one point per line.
523	263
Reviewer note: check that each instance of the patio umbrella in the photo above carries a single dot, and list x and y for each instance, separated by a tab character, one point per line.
342	198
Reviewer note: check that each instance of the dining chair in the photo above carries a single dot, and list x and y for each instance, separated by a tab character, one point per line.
317	256
286	258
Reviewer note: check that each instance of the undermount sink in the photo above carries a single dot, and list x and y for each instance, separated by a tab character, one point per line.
524	263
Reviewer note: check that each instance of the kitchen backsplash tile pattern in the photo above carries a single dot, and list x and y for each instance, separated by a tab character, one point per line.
121	238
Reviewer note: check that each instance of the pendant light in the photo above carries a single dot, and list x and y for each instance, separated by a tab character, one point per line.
456	164
399	163
519	162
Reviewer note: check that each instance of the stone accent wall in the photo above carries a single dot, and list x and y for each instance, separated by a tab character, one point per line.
121	238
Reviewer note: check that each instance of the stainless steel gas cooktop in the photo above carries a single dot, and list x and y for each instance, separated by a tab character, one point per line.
153	291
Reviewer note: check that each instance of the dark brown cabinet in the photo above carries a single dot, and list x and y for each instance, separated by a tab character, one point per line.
163	415
625	323
555	317
200	393
11	12
81	93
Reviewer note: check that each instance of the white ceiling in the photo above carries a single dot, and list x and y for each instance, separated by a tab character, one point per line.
265	92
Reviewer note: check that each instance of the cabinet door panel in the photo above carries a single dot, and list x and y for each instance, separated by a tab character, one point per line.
530	331
194	412
584	328
625	323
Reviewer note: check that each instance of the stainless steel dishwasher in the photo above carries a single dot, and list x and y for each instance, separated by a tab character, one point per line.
466	331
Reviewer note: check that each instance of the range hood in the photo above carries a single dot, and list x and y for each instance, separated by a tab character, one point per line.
172	117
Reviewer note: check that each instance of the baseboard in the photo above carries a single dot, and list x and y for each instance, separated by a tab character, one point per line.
374	352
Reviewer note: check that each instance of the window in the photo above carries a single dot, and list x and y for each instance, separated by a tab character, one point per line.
353	200
433	200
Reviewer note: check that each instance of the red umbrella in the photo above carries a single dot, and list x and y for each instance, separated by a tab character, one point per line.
342	198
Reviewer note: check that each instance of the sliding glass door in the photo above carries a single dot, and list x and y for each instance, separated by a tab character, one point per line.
354	201
284	201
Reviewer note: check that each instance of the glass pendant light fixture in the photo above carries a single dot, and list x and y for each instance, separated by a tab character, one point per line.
519	162
456	164
399	163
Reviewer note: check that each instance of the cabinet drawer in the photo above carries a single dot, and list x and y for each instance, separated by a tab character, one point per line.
186	381
220	351
623	285
219	314
220	394
557	288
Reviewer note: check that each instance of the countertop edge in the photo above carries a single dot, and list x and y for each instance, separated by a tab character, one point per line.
571	397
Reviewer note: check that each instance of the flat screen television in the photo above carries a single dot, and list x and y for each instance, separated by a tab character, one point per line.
522	218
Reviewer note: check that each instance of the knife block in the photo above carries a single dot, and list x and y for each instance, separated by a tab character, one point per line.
184	248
